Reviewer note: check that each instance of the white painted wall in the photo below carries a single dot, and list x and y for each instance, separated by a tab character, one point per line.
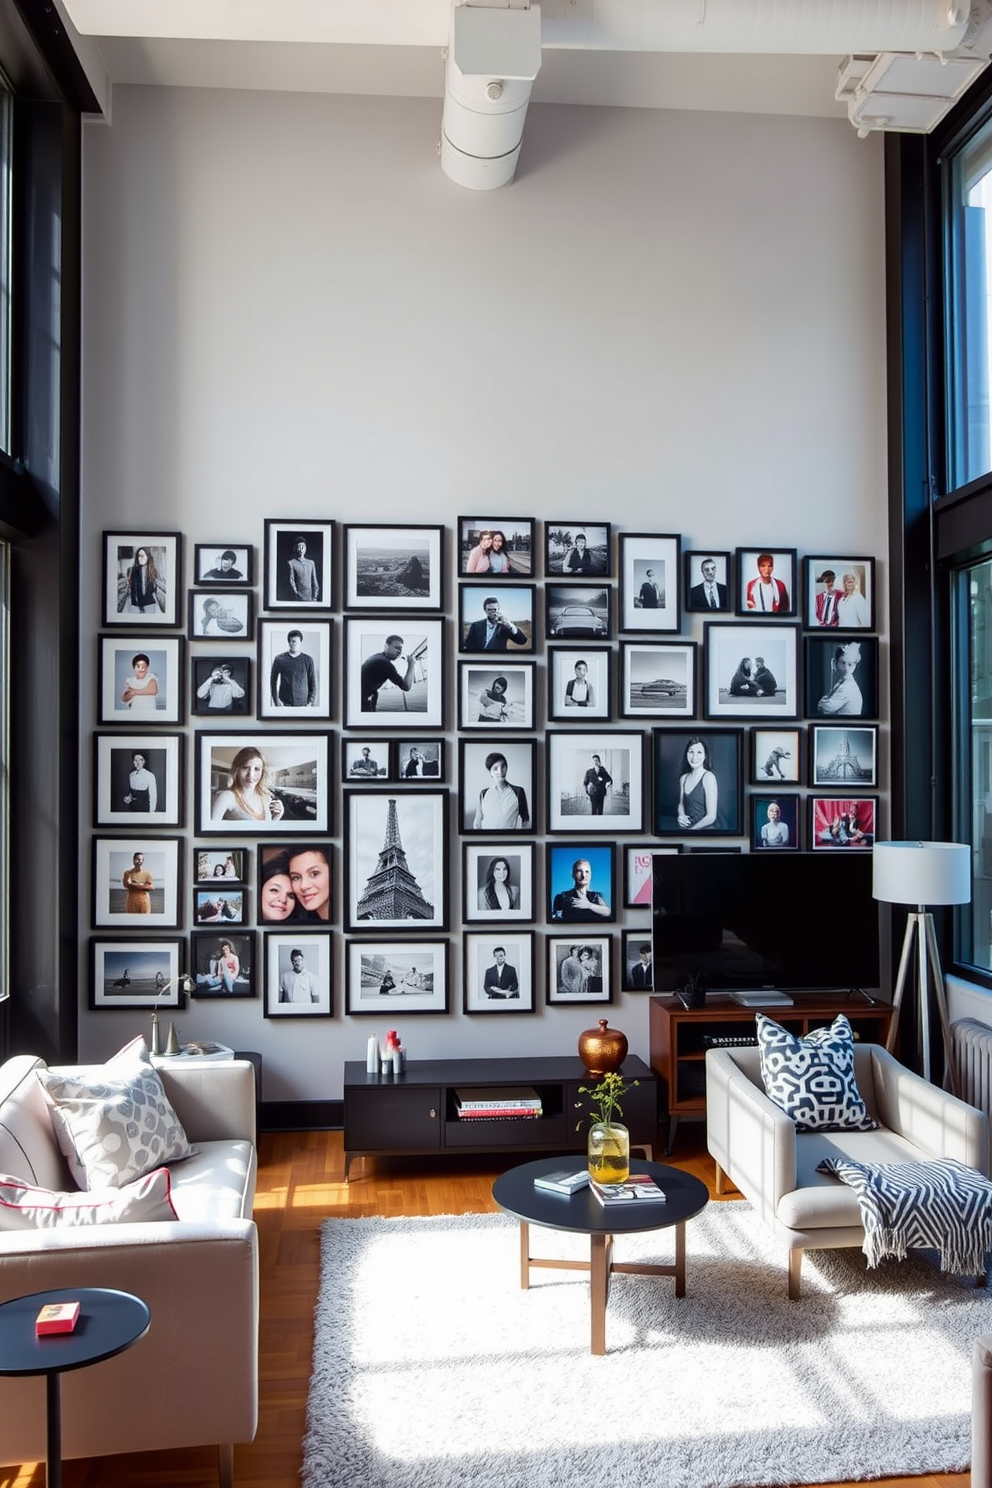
670	321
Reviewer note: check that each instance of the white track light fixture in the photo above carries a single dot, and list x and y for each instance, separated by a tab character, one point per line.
493	57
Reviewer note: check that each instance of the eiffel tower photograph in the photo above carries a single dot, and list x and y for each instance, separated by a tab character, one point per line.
396	860
843	756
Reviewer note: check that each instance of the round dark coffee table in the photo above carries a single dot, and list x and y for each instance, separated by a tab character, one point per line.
582	1214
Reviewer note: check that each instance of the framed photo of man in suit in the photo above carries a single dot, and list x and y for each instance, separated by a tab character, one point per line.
650	579
636	961
496	621
707	581
499	972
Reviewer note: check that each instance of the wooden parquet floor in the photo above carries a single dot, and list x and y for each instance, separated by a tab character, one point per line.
300	1184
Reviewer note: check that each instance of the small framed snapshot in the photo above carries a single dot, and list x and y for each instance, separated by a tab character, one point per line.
420	759
579	682
262	783
843	758
498	882
774	822
138	683
395	860
497	785
842	822
496	696
708	586
840	593
752	671
224	905
223	963
776	756
294	883
577	612
136	882
658	679
579	969
841	677
394	673
636	961
395	977
595	782
697	782
220	686
230	615
496	623
142	575
222	564
577	550
498	972
650	581
581	884
393	568
138	780
220	863
294	669
639	873
298	974
136	973
496	547
766	583
366	760
298	564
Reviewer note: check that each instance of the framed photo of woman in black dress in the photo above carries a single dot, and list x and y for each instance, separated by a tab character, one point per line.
697	782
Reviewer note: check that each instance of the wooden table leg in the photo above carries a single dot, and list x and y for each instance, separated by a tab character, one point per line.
524	1254
600	1248
680	1259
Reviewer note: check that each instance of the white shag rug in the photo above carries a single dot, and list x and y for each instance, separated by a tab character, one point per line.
434	1369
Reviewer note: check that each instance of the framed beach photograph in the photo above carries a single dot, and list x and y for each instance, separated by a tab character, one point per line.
420	759
496	785
639	872
229	616
225	904
774	822
298	975
220	686
636	961
366	759
139	683
595	782
496	623
136	882
295	883
843	758
394	673
579	682
496	695
496	547
578	550
222	564
393	568
840	593
708	587
390	978
577	612
579	969
262	783
298	564
657	679
697	782
294	669
776	756
137	780
212	863
142	578
223	963
752	671
841	677
766	583
650	581
395	860
581	883
498	972
842	822
136	974
498	881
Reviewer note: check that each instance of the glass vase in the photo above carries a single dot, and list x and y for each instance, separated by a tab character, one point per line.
609	1152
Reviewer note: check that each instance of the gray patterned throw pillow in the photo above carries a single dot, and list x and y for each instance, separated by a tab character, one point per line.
812	1079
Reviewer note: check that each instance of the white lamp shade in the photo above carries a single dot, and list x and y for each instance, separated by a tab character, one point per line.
921	872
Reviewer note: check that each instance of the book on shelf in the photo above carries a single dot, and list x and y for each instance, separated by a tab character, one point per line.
498	1098
501	1113
563	1180
761	997
639	1188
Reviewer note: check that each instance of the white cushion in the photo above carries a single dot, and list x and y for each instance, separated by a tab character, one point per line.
25	1207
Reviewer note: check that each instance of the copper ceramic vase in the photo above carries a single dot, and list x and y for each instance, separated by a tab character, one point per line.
603	1049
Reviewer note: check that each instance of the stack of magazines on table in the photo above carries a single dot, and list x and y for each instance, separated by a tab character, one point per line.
639	1188
503	1102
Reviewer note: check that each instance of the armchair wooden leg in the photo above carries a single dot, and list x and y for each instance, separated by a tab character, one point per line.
795	1272
721	1179
225	1464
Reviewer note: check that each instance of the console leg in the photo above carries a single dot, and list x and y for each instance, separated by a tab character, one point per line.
673	1122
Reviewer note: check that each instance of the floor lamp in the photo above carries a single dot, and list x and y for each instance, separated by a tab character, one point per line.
922	873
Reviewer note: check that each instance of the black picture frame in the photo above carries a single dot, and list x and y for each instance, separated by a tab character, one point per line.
595	781
776	756
420	761
233	982
496	696
298	767
513	617
366	761
295	682
232	860
843	757
696	576
595	698
829	694
519	537
839	594
481	804
372	698
154	601
222	906
650	565
658	679
498	972
636	968
393	567
775	821
295	581
154	898
578	550
499	871
590	980
752	670
778	600
122	796
282	991
127	665
578	612
140	972
724	750
395	976
568	885
395	846
860	832
223	564
220	615
295	883
220	686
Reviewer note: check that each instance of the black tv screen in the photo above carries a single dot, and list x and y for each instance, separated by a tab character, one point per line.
793	921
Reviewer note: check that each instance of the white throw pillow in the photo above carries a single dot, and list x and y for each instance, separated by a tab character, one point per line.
114	1122
25	1207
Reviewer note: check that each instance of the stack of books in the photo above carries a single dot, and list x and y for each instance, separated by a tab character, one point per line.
639	1188
502	1103
563	1180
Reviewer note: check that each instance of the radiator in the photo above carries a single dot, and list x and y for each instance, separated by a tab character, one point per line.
971	1056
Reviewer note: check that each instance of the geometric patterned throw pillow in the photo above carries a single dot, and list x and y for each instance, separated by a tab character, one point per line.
114	1122
812	1079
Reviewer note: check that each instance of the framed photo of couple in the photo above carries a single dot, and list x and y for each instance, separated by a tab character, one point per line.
751	670
840	593
496	547
579	969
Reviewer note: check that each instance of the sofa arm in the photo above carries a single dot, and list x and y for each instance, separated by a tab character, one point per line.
933	1120
215	1100
753	1141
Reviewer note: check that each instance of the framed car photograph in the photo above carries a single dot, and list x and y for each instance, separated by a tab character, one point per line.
395	860
390	978
595	782
394	674
137	780
393	568
229	616
752	671
843	757
579	969
211	863
766	583
298	974
496	623
498	972
298	564
366	760
222	564
137	882
650	581
262	783
841	677
420	759
843	822
576	612
774	822
697	782
138	683
496	785
142	578
137	973
581	886
577	550
708	587
636	961
639	872
776	756
494	696
223	963
294	669
840	593
496	547
579	682
295	883
498	882
225	904
220	686
657	679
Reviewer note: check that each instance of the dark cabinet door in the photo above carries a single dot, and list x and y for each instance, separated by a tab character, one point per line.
392	1120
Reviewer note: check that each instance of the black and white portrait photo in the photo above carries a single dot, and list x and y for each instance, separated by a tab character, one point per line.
707	582
499	972
579	968
579	682
421	759
595	782
136	882
497	785
297	975
841	677
220	686
498	881
395	858
138	779
223	962
393	568
394	675
294	669
387	978
496	547
496	623
298	564
366	759
650	581
141	578
141	683
577	550
751	670
697	782
637	961
229	615
262	783
222	564
496	696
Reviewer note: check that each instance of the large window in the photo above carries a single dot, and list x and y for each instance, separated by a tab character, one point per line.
968	188
972	605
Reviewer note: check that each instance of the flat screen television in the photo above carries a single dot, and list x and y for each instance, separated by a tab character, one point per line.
791	921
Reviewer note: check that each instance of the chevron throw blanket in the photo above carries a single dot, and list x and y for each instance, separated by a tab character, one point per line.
940	1205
